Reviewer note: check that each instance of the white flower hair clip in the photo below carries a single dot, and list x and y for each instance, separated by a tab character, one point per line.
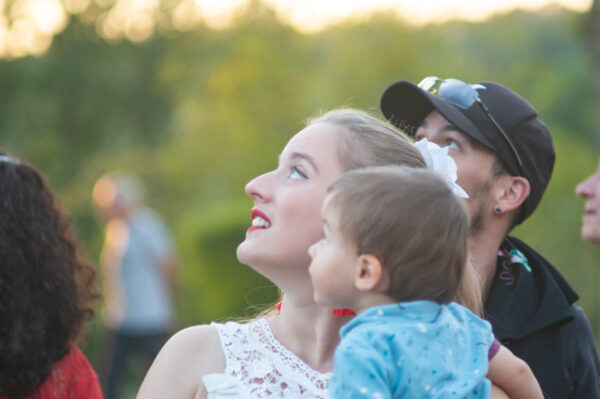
438	160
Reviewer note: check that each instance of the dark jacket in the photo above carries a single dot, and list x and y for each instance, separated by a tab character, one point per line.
533	314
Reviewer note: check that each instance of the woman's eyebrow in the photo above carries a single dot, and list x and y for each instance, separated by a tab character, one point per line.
308	158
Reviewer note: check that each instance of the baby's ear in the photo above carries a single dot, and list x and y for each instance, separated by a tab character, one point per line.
369	272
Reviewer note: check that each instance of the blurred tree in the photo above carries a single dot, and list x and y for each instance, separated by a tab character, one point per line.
593	33
197	114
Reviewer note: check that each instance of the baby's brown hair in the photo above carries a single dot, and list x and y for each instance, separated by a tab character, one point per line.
412	222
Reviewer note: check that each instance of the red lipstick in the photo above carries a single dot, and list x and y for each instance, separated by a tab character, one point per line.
259	221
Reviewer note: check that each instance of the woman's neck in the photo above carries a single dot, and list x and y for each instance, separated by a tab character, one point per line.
309	331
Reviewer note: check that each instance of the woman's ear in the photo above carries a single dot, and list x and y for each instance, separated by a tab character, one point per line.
369	272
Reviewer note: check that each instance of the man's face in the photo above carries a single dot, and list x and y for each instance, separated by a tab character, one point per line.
473	161
589	190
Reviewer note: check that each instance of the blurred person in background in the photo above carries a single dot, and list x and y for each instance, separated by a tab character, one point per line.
505	157
138	271
47	290
589	190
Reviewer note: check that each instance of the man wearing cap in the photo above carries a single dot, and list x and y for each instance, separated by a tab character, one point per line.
505	156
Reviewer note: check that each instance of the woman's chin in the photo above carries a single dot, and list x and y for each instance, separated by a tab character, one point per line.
264	257
242	252
249	254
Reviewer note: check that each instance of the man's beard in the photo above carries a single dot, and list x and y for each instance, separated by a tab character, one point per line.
477	207
477	219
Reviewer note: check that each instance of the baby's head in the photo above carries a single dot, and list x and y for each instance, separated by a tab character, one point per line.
391	230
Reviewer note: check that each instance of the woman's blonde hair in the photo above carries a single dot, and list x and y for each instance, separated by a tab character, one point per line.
469	292
369	141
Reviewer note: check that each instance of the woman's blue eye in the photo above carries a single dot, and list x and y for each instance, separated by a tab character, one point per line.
295	173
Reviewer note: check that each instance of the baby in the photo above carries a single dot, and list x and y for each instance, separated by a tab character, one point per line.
394	250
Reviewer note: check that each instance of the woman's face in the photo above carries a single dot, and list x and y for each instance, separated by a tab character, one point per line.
287	203
589	189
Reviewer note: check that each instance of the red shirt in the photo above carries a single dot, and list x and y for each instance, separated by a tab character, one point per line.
71	377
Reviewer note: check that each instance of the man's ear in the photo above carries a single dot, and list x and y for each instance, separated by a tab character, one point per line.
512	192
369	272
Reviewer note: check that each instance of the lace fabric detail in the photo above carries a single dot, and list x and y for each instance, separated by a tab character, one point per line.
256	359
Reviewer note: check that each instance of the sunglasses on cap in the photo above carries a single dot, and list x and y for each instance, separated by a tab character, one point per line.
464	95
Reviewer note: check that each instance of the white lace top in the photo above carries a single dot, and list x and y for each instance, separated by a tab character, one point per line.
258	366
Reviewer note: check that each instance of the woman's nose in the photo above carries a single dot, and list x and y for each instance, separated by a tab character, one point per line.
261	187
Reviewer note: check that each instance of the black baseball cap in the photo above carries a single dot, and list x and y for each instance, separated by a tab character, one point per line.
406	105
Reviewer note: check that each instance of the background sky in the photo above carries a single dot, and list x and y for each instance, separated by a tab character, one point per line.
311	15
28	26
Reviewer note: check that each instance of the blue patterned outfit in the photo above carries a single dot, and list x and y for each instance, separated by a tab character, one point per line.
413	350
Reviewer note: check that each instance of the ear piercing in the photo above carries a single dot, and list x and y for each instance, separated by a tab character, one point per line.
497	209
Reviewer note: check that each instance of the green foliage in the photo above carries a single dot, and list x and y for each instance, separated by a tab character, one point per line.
211	237
199	114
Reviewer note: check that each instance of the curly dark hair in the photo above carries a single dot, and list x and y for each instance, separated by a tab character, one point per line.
47	287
